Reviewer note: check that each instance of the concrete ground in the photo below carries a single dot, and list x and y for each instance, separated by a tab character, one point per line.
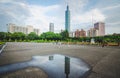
105	61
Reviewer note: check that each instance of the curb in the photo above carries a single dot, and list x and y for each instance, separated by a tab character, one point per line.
3	46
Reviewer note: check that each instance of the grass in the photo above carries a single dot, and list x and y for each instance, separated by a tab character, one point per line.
113	44
2	43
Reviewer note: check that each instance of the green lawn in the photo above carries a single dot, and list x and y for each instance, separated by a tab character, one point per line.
2	43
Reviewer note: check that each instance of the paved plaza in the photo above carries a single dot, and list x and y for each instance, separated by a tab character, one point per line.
105	62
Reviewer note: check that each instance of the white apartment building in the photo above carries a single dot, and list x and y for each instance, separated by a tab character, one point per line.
26	30
92	32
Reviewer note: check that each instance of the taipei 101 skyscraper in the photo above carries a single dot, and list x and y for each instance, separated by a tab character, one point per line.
67	19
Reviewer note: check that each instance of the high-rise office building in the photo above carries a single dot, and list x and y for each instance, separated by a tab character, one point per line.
100	26
26	30
51	27
98	30
67	19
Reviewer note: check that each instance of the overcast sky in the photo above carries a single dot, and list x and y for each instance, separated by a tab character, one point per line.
40	13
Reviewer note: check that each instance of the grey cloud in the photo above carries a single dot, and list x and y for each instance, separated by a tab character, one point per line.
12	12
3	21
76	5
110	8
112	19
112	29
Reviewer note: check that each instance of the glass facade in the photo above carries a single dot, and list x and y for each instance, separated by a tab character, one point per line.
67	19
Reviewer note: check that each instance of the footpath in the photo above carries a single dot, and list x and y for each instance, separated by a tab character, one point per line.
2	47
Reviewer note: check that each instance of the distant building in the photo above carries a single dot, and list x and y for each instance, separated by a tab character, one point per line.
82	33
67	19
98	30
26	30
88	33
37	31
92	32
51	27
117	34
30	29
100	26
79	33
71	34
61	30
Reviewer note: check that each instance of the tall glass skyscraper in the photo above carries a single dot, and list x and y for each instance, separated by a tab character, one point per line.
67	19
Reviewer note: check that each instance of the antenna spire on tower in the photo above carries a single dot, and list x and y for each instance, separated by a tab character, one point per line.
67	3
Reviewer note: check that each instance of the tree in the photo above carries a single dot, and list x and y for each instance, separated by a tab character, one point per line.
50	36
32	36
57	37
116	38
8	36
18	36
65	35
88	39
2	36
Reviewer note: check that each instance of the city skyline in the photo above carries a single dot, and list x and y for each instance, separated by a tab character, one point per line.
40	13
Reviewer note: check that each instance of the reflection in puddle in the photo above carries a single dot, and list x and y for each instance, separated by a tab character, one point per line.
56	66
67	66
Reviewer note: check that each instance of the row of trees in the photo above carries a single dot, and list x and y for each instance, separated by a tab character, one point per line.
63	36
19	36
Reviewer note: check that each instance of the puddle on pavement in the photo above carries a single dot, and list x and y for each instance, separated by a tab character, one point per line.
56	66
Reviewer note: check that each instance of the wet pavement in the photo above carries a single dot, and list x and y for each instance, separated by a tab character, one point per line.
56	66
105	62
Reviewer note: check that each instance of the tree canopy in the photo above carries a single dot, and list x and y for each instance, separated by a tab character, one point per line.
50	36
32	36
63	36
